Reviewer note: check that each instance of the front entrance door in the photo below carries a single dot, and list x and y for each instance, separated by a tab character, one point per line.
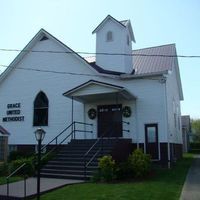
151	137
110	120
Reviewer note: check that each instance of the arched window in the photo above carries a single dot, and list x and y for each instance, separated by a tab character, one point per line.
41	105
109	36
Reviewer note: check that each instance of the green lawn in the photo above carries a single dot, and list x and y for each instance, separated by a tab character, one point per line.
12	179
164	185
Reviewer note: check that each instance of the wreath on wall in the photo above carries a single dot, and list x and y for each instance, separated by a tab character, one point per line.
92	113
126	111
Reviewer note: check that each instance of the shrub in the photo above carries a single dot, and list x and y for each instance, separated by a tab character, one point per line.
123	170
139	163
96	176
194	147
28	169
4	169
106	168
15	155
46	157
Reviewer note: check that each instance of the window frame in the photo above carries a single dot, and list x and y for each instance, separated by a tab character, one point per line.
42	110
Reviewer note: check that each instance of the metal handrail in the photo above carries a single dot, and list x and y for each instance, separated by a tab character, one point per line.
89	124
100	149
126	130
7	179
73	124
16	170
86	164
126	122
21	166
54	139
93	157
92	146
50	151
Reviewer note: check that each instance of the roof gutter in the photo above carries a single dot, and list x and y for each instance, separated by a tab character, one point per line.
139	76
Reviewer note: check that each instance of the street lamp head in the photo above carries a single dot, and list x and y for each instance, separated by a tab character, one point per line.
39	134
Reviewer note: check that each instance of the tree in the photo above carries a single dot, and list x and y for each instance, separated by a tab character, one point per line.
195	123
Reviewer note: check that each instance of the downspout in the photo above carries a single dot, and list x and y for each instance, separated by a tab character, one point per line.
72	117
136	121
168	137
84	118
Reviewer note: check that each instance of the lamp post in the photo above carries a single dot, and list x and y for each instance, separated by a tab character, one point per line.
39	135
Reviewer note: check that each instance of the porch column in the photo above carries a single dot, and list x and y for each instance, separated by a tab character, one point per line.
136	122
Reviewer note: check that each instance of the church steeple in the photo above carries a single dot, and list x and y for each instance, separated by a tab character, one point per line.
114	37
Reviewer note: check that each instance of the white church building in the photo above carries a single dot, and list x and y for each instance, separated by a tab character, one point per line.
121	91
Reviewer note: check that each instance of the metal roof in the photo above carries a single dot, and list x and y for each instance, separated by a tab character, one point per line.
150	60
154	59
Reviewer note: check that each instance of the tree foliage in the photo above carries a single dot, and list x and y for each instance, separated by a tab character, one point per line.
195	123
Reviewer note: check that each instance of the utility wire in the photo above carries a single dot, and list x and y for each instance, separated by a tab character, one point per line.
70	73
56	72
102	53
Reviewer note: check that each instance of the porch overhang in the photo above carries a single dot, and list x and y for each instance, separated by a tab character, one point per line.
93	91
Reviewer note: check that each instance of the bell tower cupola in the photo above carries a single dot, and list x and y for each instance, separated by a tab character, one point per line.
114	45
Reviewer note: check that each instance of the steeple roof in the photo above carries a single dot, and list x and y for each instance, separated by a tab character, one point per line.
123	24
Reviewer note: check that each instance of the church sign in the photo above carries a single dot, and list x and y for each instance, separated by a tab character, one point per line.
13	113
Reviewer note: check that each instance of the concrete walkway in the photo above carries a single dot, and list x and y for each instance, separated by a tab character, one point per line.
191	188
46	184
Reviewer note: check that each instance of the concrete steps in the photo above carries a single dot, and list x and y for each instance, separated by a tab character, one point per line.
69	161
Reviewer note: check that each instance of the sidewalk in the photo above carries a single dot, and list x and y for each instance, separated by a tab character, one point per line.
46	184
191	188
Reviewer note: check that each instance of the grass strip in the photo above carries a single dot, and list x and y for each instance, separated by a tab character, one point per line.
165	184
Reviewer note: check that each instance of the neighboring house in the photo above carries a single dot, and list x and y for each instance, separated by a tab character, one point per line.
186	131
46	87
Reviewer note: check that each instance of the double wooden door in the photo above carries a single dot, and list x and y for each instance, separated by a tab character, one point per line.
110	120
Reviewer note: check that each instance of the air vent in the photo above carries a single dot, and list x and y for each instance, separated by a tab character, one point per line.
44	38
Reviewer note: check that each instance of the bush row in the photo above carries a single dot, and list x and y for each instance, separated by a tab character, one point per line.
16	159
195	145
138	165
8	168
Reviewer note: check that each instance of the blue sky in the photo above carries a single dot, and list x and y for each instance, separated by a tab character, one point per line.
154	22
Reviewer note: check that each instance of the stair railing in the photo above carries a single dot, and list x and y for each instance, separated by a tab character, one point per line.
72	134
14	172
79	130
33	160
126	130
99	150
55	142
